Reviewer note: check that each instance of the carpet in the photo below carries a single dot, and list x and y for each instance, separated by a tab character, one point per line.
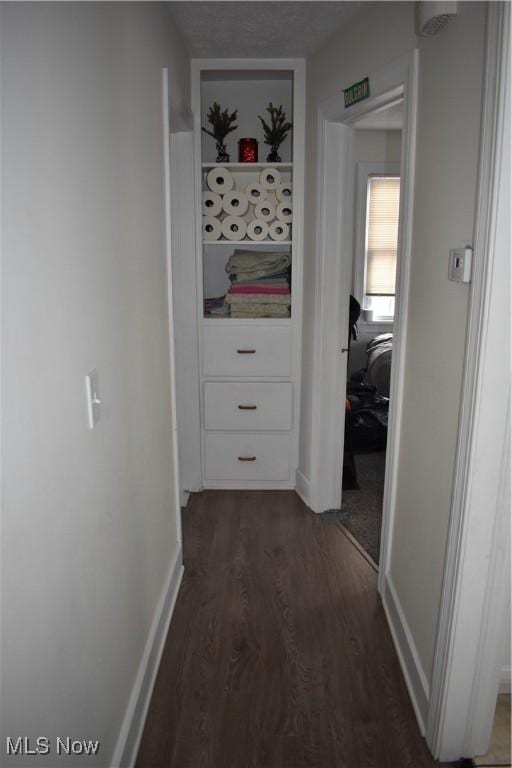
361	510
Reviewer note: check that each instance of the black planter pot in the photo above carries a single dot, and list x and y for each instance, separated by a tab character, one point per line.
222	155
273	156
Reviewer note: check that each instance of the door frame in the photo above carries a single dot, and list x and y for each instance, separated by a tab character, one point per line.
170	300
476	588
334	214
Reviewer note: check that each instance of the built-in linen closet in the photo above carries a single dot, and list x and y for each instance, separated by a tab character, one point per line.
249	273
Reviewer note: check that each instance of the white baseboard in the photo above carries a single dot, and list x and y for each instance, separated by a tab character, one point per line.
130	734
302	487
412	669
506	680
184	497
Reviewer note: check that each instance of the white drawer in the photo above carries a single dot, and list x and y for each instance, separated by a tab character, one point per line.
247	457
247	406
243	350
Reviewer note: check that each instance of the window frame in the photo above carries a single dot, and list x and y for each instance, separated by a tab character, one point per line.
363	171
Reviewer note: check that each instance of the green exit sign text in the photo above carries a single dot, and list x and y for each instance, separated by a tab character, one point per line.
357	92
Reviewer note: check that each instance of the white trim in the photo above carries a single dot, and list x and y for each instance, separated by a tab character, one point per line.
331	314
476	587
170	303
407	171
302	486
130	734
184	313
398	79
408	656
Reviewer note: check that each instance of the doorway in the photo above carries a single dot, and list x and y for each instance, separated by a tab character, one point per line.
395	83
375	184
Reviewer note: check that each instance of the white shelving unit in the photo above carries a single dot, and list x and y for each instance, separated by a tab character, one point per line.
249	368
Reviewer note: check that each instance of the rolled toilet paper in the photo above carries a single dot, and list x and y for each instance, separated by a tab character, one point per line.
235	203
212	203
284	191
257	229
279	230
270	178
212	228
284	212
220	180
255	193
265	211
234	228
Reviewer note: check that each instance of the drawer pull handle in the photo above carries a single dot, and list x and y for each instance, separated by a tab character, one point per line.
247	458
247	407
246	351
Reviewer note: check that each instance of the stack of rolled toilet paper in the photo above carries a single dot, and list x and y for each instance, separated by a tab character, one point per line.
262	210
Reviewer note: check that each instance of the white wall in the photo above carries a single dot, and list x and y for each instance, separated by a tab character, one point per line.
444	201
89	526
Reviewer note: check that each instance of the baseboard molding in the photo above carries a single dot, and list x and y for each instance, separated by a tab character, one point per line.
506	680
130	734
302	487
184	497
412	669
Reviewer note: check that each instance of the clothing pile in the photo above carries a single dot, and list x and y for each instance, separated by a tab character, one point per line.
260	284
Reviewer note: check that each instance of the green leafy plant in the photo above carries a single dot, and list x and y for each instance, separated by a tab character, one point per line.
221	121
275	133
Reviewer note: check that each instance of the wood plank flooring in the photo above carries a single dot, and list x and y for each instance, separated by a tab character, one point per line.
278	655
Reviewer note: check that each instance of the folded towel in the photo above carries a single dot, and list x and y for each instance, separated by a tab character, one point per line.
247	288
260	310
263	264
279	283
257	298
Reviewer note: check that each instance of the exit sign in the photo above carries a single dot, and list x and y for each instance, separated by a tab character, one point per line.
357	92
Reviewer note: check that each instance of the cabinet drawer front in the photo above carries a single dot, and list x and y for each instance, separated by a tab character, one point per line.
246	351
247	457
247	406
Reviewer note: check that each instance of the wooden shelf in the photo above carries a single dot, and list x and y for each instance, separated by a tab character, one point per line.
207	319
248	166
247	242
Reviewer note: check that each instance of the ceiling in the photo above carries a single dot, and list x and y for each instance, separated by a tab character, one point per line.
239	29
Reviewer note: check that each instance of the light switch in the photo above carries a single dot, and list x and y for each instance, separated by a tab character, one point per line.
460	264
92	389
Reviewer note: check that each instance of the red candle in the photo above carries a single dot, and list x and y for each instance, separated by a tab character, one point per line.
247	151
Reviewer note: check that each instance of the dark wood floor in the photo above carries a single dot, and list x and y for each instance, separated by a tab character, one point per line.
278	655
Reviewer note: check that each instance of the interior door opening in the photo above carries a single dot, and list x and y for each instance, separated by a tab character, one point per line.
374	181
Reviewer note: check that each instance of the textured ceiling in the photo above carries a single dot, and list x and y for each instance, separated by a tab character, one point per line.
259	29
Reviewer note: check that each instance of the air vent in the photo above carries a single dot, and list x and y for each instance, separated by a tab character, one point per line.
431	17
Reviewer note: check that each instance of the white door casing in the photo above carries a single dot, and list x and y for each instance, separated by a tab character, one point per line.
473	612
185	313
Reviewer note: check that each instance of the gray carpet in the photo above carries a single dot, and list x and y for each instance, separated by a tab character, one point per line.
361	511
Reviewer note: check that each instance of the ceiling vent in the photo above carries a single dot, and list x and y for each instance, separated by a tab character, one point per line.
431	17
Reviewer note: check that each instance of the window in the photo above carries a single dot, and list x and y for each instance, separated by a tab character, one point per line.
376	245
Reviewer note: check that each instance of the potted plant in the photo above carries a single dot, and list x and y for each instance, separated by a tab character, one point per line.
222	124
276	132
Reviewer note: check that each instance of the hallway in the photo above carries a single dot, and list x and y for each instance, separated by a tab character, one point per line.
280	654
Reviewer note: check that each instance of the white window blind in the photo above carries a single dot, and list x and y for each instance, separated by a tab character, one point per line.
381	235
